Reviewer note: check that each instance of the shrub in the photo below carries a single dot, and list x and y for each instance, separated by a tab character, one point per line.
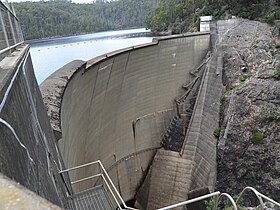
277	115
257	137
228	142
217	132
270	18
276	74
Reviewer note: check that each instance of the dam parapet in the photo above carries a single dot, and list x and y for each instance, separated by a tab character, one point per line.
28	154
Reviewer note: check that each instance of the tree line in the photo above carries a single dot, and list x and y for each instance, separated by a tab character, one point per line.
179	16
62	17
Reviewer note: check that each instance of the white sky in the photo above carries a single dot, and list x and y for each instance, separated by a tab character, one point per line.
76	1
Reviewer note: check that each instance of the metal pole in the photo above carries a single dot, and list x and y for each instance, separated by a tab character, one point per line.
4	29
77	167
234	206
12	27
112	184
106	183
85	179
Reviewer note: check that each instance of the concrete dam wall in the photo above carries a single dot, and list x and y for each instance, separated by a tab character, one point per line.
28	151
117	107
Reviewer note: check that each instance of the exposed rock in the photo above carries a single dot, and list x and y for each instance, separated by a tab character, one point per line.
52	90
249	145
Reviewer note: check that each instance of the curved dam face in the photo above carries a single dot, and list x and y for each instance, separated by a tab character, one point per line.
117	107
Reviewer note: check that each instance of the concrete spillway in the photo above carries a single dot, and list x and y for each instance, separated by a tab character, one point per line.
117	107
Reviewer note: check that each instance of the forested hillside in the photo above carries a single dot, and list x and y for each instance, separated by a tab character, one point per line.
180	16
61	17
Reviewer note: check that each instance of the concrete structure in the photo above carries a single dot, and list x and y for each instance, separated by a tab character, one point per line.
119	105
28	153
14	196
147	112
205	22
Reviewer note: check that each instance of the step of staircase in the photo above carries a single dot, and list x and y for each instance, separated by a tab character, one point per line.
92	199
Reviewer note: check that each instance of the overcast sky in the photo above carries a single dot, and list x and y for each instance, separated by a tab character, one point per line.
76	1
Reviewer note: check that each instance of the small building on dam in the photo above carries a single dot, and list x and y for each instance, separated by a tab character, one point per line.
132	127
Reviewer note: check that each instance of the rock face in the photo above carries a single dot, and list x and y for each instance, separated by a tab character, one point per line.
52	90
249	144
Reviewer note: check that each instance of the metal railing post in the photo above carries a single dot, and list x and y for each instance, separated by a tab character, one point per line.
4	28
111	191
12	27
228	197
258	195
112	184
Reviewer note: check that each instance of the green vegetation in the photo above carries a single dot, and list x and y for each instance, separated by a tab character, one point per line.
180	16
276	74
254	177
257	137
210	203
274	173
217	132
61	17
228	142
238	87
277	115
244	78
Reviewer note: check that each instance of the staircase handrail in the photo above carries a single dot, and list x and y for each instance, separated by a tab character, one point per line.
258	195
191	201
103	172
229	198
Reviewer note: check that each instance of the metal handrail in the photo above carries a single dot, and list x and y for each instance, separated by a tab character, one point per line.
258	195
9	9
9	48
116	195
228	197
103	177
85	179
191	201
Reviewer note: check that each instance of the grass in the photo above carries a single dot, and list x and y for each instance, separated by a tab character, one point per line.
236	88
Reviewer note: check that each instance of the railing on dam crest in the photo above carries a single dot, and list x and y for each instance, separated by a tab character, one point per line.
10	31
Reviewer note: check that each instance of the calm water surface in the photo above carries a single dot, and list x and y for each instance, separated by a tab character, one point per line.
50	55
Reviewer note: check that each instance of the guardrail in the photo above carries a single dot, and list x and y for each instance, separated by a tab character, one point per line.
105	178
10	31
218	196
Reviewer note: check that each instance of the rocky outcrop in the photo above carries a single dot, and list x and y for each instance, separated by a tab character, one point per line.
52	90
249	144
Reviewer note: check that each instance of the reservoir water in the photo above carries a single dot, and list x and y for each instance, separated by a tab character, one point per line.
50	55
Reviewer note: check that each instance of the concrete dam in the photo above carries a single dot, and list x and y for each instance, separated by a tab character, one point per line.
147	113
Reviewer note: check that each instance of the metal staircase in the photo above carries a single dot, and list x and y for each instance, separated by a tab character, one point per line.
104	196
95	198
